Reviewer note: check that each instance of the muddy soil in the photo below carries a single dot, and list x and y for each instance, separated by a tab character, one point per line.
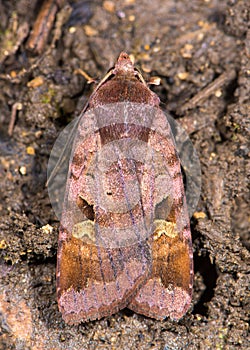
200	49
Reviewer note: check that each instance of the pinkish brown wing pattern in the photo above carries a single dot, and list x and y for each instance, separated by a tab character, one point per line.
110	257
168	291
95	278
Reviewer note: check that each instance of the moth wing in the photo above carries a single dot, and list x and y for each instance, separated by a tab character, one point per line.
94	278
93	281
58	165
168	291
60	157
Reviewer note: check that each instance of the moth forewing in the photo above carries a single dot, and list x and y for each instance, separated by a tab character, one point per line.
97	274
168	291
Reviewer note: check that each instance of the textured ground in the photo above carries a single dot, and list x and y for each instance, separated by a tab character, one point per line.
189	44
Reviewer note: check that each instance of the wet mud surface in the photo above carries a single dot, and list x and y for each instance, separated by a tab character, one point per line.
200	50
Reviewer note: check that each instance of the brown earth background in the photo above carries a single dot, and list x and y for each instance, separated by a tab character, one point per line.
196	47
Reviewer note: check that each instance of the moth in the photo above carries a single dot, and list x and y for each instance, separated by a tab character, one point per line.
124	237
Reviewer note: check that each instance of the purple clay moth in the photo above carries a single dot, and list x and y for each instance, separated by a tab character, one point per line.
124	237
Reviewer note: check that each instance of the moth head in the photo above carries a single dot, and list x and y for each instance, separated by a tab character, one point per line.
124	64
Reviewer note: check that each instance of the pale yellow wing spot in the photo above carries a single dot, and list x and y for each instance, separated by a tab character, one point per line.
84	229
163	227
